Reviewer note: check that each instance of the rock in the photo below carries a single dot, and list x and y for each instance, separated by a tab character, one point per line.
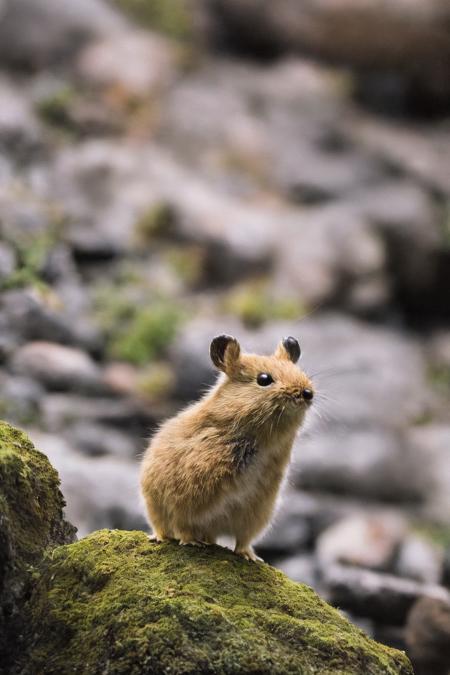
19	398
62	409
97	440
58	367
28	317
420	559
20	133
35	33
128	601
428	636
369	541
432	441
415	42
365	462
251	604
7	262
407	151
31	522
382	597
440	349
100	491
139	64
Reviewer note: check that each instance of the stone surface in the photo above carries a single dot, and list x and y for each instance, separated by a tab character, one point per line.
37	32
383	597
138	63
428	636
420	559
100	491
58	367
369	541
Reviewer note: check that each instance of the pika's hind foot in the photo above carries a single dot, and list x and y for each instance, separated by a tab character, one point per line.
248	553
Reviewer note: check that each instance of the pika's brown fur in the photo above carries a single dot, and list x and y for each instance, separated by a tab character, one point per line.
216	468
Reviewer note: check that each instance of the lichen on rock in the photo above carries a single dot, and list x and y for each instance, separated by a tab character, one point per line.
117	603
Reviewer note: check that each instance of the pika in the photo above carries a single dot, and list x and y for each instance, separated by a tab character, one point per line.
216	467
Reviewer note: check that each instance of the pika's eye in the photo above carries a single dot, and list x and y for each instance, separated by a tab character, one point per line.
264	379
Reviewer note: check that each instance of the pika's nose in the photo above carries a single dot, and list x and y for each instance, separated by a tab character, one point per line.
308	394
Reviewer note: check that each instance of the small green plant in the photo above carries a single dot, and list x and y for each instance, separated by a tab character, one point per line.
254	304
157	381
187	263
157	221
147	335
55	108
171	17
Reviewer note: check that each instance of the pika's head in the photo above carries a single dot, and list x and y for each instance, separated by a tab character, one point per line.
263	384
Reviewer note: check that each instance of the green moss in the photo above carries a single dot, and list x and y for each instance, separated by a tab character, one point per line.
55	108
147	335
31	521
157	381
171	17
254	304
32	251
156	221
439	377
117	603
188	263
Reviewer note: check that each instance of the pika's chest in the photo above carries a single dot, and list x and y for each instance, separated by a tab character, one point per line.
257	466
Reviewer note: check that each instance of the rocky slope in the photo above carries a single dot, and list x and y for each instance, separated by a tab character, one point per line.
166	176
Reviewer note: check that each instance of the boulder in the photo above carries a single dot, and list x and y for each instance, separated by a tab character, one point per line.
58	367
31	522
116	602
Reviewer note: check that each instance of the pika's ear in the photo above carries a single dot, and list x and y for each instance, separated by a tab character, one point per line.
288	349
225	352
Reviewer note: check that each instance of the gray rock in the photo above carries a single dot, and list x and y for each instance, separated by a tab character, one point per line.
383	597
19	398
26	316
20	133
420	559
428	636
433	443
60	410
7	261
369	540
58	367
35	33
414	38
100	492
100	439
367	462
141	64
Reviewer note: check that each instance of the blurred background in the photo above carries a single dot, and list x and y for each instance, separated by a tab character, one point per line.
171	170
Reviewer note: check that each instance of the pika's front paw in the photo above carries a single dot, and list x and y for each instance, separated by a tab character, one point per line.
248	554
157	538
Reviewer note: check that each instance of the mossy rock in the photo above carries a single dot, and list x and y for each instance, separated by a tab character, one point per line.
114	603
31	522
117	603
